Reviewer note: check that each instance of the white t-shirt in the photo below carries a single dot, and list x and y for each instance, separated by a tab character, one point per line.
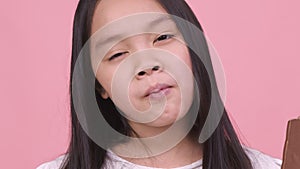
258	159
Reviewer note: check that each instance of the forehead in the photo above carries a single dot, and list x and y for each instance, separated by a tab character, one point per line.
110	10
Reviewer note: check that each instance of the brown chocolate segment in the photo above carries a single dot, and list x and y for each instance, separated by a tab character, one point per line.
291	156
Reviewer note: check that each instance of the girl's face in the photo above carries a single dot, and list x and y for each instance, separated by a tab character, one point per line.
150	83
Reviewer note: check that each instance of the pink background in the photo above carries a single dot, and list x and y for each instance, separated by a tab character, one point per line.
258	42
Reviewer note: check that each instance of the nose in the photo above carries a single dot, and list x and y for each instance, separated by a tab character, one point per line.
148	71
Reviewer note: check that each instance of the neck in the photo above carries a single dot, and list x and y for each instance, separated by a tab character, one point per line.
185	152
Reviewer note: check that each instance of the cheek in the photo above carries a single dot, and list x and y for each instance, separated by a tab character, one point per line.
186	57
104	77
181	51
135	96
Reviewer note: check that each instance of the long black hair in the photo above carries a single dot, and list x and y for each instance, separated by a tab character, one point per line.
222	150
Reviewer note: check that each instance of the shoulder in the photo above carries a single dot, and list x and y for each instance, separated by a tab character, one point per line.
262	161
55	164
259	160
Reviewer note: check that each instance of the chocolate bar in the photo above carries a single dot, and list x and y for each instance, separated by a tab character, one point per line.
291	155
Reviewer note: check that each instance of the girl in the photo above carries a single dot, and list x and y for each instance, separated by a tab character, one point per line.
155	67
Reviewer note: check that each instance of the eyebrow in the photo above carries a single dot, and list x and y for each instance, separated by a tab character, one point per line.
119	36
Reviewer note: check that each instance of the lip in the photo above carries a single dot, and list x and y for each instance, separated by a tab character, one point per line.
157	89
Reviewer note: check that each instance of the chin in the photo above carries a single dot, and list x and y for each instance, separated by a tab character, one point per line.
165	120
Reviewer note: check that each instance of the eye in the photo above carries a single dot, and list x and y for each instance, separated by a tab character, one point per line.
116	55
164	37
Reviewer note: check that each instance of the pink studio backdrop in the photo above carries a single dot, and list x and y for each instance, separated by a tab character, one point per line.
258	42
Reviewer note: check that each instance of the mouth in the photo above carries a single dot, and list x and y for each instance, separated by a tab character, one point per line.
157	91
